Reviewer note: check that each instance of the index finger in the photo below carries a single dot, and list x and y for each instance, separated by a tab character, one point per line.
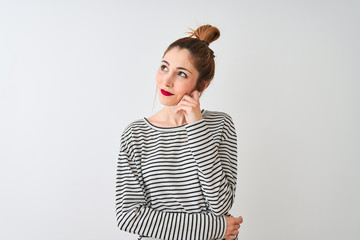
195	94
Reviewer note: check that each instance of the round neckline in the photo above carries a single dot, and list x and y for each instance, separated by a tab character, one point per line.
169	129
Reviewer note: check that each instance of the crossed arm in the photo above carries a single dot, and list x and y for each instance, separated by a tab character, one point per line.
217	177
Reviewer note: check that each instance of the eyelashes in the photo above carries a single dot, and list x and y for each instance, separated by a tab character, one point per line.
163	67
180	73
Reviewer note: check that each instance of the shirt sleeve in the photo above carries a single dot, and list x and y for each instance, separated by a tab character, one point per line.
134	216
217	163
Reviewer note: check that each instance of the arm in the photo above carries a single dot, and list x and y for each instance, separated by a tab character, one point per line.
134	216
217	163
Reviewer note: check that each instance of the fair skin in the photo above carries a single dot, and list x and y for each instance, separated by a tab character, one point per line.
177	76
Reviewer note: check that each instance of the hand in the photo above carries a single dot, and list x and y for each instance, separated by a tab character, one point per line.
232	226
190	106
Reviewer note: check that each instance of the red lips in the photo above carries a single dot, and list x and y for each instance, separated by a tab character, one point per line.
166	93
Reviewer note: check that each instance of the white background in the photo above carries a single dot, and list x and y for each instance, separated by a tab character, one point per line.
73	74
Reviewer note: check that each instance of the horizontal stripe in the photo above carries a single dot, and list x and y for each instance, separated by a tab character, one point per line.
177	183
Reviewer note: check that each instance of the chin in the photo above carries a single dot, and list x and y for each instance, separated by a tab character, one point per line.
167	102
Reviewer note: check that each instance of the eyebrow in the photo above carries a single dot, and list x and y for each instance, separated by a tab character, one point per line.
177	67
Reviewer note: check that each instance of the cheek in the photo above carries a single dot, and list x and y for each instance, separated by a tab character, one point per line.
185	88
190	86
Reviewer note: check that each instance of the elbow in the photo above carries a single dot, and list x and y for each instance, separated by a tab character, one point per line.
123	220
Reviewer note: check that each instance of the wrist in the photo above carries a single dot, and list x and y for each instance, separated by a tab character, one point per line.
195	118
193	121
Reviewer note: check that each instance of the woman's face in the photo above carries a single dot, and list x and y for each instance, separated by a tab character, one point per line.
176	76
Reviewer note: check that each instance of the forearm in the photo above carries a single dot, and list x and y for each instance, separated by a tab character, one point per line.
171	225
134	216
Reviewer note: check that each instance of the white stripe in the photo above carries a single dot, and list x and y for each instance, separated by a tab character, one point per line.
182	177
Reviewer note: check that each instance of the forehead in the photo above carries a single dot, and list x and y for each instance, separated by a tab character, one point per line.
177	57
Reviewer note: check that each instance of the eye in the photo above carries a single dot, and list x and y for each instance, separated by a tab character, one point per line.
182	74
163	67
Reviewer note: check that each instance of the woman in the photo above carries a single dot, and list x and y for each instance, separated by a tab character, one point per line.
176	172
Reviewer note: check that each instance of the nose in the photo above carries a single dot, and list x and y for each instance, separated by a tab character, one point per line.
169	81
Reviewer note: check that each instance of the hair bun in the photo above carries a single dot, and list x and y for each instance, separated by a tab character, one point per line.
205	33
